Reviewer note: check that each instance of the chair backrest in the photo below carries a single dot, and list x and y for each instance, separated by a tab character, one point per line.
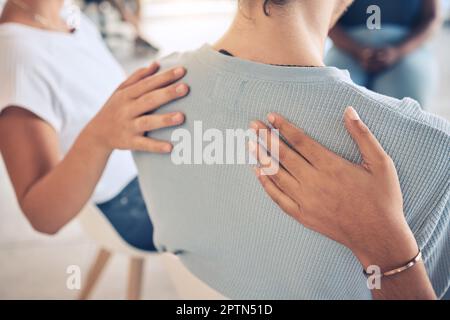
188	286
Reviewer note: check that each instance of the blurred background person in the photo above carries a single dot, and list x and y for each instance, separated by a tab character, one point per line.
393	59
130	12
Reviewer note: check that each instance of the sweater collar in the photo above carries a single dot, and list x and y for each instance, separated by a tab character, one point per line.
269	72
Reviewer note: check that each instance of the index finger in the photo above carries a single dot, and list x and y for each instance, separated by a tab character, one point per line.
140	74
294	163
316	154
157	81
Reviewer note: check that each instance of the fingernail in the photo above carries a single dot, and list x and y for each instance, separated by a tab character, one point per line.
254	125
154	64
271	118
352	114
256	171
167	148
177	118
181	89
178	72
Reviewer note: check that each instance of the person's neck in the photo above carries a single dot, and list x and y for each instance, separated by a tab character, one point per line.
280	39
50	10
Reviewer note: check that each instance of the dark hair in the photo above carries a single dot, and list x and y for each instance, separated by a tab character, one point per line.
275	2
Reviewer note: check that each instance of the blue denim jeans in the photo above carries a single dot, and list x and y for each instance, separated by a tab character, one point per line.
128	215
414	76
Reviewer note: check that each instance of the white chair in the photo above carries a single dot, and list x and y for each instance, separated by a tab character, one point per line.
95	224
100	230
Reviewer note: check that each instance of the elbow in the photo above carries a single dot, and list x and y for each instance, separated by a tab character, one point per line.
46	229
39	224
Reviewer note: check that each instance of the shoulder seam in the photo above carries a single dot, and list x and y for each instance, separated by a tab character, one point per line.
390	108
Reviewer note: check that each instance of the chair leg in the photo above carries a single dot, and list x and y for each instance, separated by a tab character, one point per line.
135	278
94	273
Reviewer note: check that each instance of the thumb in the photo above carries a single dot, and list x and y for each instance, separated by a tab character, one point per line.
371	150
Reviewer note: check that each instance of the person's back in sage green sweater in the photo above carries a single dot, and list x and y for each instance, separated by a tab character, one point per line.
217	218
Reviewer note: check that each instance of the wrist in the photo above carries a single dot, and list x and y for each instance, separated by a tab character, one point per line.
92	137
389	250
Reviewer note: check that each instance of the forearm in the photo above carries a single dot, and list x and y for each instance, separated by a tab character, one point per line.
419	36
58	197
431	20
